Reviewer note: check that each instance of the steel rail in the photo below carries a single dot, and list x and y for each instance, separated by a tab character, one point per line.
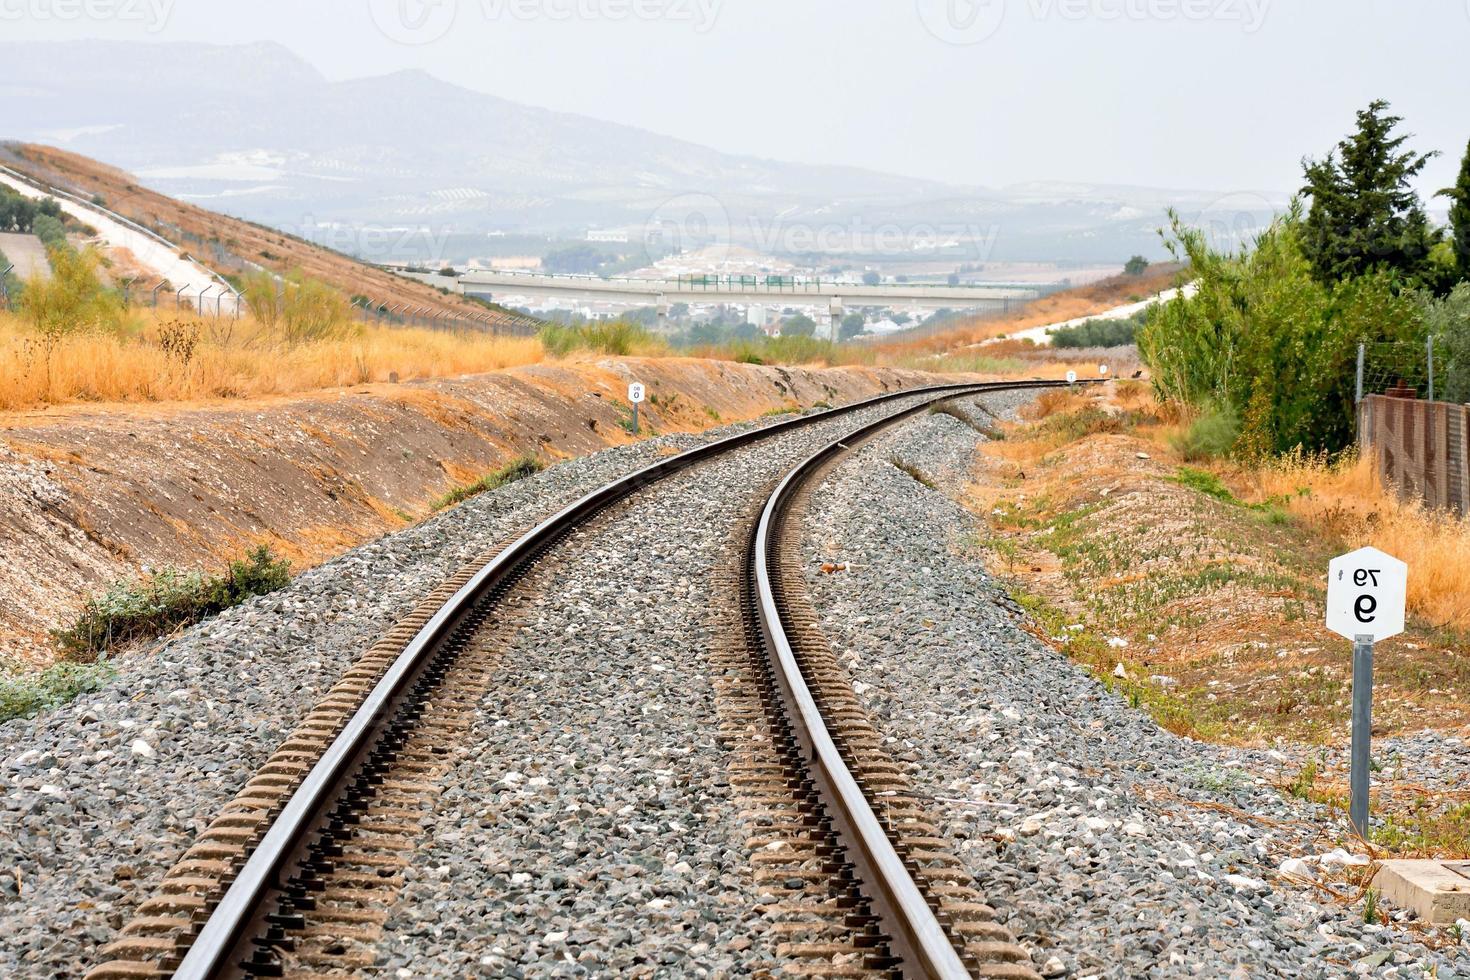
919	941
221	944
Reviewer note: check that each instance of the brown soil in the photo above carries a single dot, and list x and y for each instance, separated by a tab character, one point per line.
89	495
192	227
1220	603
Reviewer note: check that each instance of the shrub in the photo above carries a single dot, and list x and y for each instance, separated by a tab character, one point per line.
297	309
1097	333
51	232
1262	337
70	301
516	469
144	609
21	697
616	337
1449	320
1211	435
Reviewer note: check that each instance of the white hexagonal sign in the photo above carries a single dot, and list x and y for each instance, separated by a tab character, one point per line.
1365	594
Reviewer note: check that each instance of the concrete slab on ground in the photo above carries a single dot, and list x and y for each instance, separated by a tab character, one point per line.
1437	891
27	253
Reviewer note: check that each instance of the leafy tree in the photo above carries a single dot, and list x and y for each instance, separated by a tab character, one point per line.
871	278
1449	318
1459	196
1265	340
50	231
799	325
1135	266
1364	213
852	325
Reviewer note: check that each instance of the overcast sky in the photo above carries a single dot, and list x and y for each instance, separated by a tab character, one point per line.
1219	94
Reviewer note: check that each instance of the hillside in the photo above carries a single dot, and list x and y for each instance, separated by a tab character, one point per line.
227	245
205	122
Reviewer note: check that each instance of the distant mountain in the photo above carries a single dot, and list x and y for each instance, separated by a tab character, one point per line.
255	131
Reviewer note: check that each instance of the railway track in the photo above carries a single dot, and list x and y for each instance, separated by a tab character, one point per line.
294	877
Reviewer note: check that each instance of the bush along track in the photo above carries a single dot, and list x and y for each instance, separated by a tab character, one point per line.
130	612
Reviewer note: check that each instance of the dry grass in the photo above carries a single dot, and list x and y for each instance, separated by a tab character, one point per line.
1346	501
167	357
1212	573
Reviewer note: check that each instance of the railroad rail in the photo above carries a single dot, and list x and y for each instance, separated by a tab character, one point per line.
907	907
241	905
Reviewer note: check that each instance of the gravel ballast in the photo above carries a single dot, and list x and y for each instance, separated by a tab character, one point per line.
101	796
591	831
1111	847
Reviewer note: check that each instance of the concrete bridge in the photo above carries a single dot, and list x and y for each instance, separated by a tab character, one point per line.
829	295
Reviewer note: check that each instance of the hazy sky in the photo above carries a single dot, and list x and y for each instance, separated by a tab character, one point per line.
1219	94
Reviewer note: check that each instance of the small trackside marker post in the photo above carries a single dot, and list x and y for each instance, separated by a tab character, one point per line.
635	395
1366	592
1362	732
1071	379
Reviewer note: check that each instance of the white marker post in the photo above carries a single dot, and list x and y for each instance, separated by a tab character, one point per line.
1071	379
1366	590
1102	370
635	395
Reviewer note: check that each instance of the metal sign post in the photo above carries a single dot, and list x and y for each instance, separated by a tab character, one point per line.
635	395
1362	732
1071	379
1366	591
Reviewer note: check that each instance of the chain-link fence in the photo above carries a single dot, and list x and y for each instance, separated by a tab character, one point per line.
1429	371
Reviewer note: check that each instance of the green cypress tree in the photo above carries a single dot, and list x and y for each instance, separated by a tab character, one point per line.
1364	212
1459	196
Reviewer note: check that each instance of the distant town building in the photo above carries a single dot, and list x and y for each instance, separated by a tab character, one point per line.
596	235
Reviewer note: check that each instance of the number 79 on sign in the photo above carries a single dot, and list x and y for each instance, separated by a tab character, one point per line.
1366	590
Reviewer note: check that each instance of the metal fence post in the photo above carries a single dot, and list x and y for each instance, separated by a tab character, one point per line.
1429	354
1361	349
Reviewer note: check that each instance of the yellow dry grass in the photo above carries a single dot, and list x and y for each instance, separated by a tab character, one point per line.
1346	500
147	360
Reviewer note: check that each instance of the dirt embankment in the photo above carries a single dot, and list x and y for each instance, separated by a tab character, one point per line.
223	243
90	495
